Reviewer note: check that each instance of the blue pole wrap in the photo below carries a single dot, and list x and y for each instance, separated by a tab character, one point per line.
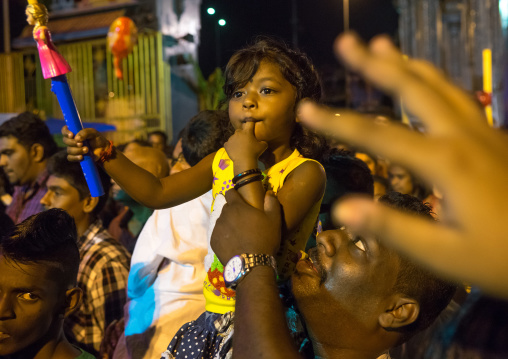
61	89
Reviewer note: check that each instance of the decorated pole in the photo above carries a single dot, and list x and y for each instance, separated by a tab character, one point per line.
487	84
55	67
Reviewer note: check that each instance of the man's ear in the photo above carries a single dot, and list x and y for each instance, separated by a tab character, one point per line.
37	152
401	312
73	299
90	203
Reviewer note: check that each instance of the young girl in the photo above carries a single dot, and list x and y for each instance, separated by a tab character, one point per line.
264	83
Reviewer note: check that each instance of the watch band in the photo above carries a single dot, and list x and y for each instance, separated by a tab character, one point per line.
254	260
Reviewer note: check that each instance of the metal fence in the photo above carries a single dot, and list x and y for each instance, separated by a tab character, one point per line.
139	103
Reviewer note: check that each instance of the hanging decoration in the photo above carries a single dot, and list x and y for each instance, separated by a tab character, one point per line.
122	37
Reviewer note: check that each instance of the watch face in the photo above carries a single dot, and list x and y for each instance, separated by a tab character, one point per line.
233	269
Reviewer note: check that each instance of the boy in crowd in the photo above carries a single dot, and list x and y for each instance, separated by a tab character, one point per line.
39	266
104	266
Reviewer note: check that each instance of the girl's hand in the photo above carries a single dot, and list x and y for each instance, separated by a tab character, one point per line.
243	148
75	144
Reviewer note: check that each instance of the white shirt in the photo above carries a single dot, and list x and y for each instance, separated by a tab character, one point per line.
165	286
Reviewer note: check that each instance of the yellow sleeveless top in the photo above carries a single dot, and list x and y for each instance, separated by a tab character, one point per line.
219	299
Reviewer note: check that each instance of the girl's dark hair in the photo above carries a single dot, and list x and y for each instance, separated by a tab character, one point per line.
297	69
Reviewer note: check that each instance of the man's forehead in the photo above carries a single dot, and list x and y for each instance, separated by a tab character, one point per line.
34	274
8	142
57	181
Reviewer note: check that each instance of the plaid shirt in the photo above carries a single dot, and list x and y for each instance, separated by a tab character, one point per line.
26	199
102	276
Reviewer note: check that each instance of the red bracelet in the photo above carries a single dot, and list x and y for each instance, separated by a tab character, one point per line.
107	154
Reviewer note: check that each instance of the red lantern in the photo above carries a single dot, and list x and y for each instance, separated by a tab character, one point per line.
122	37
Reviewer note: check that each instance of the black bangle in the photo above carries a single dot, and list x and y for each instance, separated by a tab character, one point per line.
246	173
248	180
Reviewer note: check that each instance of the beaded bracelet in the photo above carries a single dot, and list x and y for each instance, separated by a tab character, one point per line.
248	180
246	173
107	154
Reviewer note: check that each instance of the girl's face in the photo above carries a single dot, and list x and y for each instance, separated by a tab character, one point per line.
29	18
268	99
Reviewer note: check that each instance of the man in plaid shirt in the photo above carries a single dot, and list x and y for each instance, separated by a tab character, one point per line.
25	146
104	266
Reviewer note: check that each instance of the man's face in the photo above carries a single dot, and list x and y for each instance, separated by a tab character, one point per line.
62	195
349	281
30	304
178	163
16	161
400	180
157	141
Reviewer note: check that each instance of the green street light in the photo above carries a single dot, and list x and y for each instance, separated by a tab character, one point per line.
222	22
210	11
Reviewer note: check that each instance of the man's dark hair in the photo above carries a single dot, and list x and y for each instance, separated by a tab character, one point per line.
204	134
47	238
29	129
159	133
58	166
345	174
432	293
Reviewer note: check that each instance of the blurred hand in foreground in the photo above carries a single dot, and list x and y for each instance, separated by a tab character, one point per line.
465	158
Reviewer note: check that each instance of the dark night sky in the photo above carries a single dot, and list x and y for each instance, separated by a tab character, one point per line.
319	22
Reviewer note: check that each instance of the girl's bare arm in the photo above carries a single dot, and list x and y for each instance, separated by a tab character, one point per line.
140	184
302	189
166	192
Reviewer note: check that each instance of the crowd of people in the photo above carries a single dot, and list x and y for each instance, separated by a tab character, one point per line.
280	228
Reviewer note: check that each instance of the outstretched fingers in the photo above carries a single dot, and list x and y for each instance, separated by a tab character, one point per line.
423	239
387	140
383	65
449	249
468	110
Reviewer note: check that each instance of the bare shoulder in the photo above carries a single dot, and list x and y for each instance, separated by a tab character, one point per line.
309	171
311	175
